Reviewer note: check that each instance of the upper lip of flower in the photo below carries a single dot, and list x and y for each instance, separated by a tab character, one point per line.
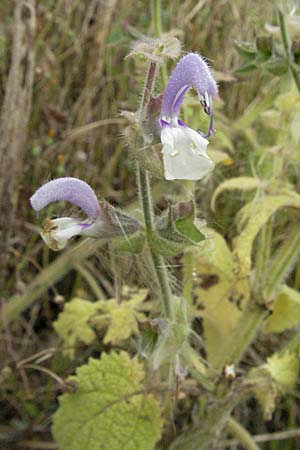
191	71
70	189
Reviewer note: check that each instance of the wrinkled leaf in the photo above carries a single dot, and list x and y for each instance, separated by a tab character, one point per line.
108	411
123	317
286	312
81	318
73	324
251	218
284	369
240	183
277	377
265	391
246	49
218	295
276	66
177	230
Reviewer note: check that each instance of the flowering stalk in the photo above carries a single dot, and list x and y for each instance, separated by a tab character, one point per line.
146	201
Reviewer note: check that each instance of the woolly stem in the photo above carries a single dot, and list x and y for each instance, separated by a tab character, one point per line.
158	260
157	30
145	188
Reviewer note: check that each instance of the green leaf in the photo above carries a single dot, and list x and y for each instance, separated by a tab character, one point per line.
131	244
80	318
286	311
210	282
284	369
251	218
264	44
187	228
177	230
240	183
246	68
277	377
73	324
108	410
276	66
246	49
265	390
123	317
282	263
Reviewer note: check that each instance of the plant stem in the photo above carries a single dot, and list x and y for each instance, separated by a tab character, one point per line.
156	17
263	255
146	198
282	263
116	274
157	30
287	49
150	78
158	260
242	434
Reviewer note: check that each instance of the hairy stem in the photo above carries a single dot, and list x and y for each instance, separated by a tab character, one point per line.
242	434
156	17
149	84
282	263
158	260
157	30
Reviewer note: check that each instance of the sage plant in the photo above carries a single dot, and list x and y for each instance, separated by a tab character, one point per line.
126	399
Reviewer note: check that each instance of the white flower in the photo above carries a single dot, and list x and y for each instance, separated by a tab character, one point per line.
184	151
57	232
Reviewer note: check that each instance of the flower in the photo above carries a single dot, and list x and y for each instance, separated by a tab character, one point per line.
184	150
57	232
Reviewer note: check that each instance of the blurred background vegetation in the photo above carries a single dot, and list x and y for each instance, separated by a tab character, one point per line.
81	83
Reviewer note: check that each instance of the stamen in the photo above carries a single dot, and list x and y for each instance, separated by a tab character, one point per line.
208	110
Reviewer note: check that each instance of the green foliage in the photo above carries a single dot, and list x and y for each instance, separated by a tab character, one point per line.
241	183
73	324
177	230
277	377
219	294
81	318
252	217
109	410
284	369
286	312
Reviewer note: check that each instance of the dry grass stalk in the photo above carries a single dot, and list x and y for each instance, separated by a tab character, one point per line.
14	120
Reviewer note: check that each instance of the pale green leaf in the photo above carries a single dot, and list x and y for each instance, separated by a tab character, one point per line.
80	318
123	316
108	411
277	377
73	325
284	369
286	311
252	217
219	296
265	390
240	183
